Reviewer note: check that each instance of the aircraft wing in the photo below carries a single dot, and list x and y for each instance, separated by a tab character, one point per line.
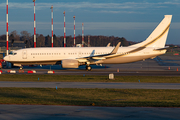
96	58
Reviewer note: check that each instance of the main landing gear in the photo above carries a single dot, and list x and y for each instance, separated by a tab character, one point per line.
88	68
21	68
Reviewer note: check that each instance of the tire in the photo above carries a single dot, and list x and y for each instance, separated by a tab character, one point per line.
88	68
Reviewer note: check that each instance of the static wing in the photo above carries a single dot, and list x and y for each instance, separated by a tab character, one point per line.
95	58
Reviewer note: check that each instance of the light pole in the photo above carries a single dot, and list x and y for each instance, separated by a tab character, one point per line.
64	30
74	32
34	25
82	34
7	34
52	23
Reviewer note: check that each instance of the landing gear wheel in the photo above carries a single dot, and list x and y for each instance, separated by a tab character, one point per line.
21	68
88	68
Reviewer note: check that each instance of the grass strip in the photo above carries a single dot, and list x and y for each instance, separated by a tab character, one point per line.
86	97
88	78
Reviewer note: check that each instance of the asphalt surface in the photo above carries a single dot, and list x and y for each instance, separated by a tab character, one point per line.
162	66
155	67
102	72
46	112
91	85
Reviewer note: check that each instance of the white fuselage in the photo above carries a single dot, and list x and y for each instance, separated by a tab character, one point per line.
52	55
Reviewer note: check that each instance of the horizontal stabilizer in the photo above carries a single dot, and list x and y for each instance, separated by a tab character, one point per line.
165	48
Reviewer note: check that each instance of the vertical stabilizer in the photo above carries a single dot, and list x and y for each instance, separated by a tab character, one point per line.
158	37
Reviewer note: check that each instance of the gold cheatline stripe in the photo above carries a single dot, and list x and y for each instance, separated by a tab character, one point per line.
144	46
167	28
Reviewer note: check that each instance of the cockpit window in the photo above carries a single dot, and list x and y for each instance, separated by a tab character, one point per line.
12	53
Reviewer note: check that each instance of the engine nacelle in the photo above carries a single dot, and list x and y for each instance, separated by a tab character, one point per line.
70	63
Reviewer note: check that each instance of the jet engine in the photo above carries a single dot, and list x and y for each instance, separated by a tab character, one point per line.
70	63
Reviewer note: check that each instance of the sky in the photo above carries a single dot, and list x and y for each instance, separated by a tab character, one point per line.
131	19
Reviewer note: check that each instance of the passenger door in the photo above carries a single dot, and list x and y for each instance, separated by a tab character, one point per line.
24	54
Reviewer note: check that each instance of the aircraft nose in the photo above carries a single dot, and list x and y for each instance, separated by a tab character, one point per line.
6	58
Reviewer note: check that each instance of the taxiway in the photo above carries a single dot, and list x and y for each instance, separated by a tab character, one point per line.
46	112
100	85
162	66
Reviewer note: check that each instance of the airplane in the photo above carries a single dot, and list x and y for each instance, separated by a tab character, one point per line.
73	57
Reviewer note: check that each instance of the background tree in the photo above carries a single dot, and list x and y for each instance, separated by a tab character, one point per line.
3	37
30	42
48	41
59	40
40	40
55	41
11	37
15	35
25	36
12	42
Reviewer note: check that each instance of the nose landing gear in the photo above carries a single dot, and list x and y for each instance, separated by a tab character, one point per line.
21	69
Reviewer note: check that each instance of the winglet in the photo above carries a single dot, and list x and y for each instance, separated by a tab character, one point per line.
92	54
108	45
116	48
